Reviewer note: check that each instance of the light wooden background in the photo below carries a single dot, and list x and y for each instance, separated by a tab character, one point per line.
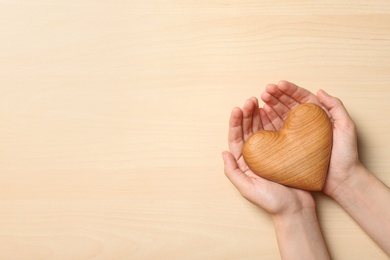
113	116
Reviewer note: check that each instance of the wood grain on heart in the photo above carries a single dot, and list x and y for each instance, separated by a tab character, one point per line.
298	155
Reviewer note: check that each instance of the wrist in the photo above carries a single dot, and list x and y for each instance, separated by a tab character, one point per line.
299	235
346	191
296	203
292	222
294	217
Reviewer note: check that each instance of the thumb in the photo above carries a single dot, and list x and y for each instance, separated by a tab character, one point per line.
334	106
233	172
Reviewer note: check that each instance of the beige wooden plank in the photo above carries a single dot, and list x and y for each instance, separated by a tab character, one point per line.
113	115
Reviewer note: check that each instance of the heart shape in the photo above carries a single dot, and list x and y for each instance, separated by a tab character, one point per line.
298	155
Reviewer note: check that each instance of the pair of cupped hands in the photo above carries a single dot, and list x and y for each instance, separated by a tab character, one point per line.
279	99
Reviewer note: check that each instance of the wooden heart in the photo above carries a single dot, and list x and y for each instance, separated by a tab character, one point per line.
298	155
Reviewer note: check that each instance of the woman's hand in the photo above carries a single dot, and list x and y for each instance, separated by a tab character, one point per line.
360	193
292	210
274	198
281	98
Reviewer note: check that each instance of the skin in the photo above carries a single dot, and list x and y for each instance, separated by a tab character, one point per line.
362	195
293	211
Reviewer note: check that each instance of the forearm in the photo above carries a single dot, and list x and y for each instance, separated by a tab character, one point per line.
299	236
367	201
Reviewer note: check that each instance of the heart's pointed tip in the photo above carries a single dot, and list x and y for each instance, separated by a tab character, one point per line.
317	186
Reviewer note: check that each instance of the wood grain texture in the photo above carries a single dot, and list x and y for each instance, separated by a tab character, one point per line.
113	116
298	155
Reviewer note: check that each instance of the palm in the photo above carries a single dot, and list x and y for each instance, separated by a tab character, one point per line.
272	197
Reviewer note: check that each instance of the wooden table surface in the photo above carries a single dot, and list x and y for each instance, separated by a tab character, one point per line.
113	117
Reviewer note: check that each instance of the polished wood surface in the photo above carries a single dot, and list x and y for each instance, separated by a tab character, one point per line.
113	116
296	156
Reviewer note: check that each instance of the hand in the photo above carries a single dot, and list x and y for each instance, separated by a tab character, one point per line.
281	98
274	198
293	211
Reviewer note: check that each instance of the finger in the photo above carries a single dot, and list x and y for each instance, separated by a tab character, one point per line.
233	173
267	125
298	94
286	100
247	112
256	120
336	109
235	137
274	118
280	108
